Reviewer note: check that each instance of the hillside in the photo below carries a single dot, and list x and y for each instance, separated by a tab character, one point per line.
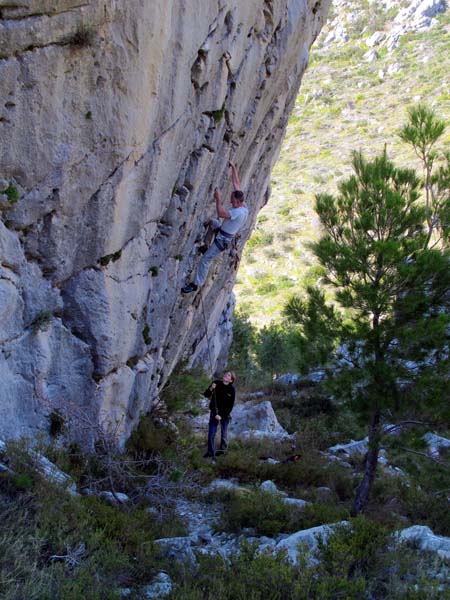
352	97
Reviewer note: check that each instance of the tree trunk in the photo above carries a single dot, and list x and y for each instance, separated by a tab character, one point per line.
365	487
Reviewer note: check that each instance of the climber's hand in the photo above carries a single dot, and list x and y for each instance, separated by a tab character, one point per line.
218	417
213	386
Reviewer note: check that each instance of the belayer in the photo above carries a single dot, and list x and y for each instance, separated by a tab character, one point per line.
222	395
223	231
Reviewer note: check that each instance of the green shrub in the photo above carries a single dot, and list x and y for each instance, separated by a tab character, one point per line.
39	521
83	37
422	508
146	335
248	576
56	423
149	438
184	388
263	511
105	260
23	481
321	514
259	239
42	321
13	194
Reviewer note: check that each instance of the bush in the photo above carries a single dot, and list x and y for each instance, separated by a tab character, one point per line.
241	350
83	37
259	239
13	194
42	526
248	576
350	557
149	438
422	508
264	512
184	389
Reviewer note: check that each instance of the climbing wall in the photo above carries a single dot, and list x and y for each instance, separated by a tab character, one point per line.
117	120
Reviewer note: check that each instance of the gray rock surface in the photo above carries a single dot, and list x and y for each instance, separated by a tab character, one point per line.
308	538
161	586
114	498
426	540
117	120
269	486
253	419
177	548
351	448
404	16
435	442
46	468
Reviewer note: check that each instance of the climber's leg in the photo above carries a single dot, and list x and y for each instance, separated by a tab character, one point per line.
205	263
212	226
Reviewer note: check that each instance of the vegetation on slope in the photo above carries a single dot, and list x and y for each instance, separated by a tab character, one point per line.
346	103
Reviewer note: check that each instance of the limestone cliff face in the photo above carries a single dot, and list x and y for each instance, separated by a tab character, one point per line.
117	120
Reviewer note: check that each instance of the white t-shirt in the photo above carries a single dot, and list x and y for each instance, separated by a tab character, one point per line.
238	216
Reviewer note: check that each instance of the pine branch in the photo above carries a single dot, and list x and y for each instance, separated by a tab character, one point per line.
428	456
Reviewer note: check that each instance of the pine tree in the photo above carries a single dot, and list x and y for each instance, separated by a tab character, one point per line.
393	286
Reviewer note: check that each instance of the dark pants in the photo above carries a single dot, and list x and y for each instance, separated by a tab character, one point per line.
212	429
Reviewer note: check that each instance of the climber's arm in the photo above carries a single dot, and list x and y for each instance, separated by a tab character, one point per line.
222	213
235	176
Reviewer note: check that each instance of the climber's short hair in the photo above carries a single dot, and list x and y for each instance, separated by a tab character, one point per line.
238	195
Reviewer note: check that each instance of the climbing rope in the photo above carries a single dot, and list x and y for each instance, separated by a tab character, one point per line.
209	350
206	333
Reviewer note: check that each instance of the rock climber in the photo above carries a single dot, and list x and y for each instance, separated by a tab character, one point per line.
222	231
222	395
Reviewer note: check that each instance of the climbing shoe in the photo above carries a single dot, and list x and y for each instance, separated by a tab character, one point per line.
203	248
220	452
208	455
191	287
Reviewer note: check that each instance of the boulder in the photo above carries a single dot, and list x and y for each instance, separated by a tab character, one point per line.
228	485
375	39
306	538
351	448
115	498
426	540
177	548
435	442
270	487
253	419
47	469
296	502
161	586
256	420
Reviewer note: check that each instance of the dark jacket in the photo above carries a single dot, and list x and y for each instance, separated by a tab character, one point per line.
222	399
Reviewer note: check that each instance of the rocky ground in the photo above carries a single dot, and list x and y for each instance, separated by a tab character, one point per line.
272	490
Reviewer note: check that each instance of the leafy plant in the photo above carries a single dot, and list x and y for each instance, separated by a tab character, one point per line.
393	285
184	388
13	194
146	335
105	260
83	37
